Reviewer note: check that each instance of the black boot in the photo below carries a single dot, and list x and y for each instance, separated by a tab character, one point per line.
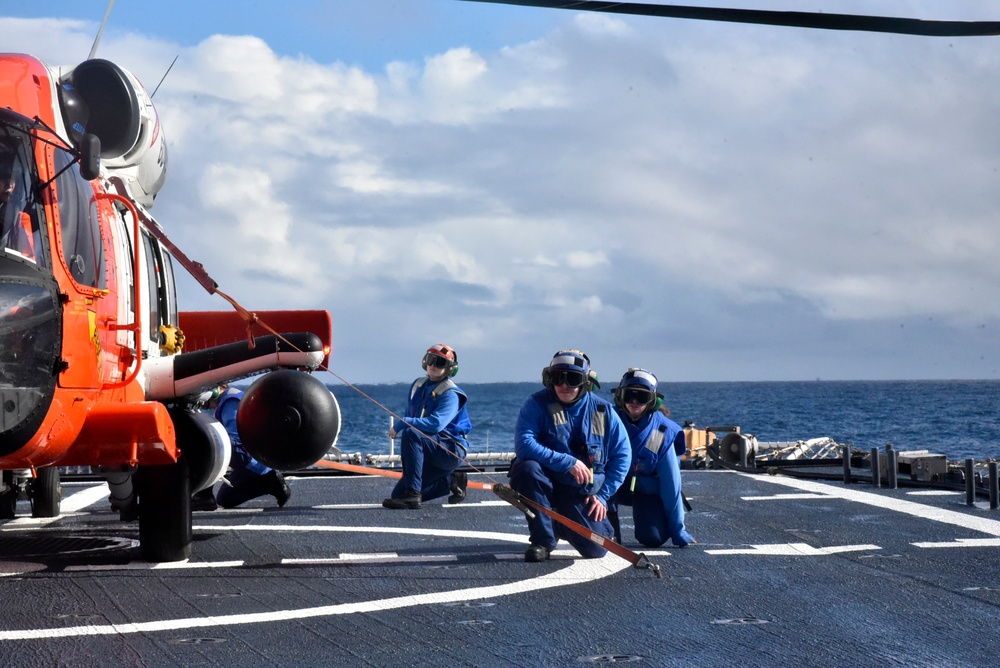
410	500
459	483
278	488
204	500
536	553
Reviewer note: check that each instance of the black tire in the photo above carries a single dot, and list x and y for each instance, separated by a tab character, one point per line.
46	493
164	512
8	497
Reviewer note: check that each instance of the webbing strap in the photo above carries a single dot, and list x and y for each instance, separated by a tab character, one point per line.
638	560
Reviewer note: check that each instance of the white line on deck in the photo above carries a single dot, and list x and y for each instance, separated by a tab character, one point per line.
577	572
954	518
374	558
785	497
162	566
795	550
964	542
71	504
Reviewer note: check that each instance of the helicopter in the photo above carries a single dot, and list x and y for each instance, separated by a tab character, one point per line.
98	367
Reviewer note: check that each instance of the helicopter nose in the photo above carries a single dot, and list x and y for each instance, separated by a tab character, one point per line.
29	347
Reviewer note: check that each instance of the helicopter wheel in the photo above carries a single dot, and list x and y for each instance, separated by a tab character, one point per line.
8	497
164	512
46	493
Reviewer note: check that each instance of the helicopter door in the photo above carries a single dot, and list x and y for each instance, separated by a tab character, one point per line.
161	295
82	252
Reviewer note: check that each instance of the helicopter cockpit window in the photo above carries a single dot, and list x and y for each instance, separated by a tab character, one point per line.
19	233
81	231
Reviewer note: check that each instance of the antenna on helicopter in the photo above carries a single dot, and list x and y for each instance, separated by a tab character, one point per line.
164	76
100	32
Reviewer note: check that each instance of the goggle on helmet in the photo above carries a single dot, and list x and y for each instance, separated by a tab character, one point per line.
570	368
441	356
637	386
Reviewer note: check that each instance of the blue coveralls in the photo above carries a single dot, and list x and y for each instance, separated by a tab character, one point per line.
433	438
653	485
548	439
248	475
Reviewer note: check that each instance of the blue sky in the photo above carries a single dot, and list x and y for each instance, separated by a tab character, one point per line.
709	201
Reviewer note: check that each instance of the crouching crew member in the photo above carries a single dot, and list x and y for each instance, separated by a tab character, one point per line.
248	478
572	453
653	485
433	436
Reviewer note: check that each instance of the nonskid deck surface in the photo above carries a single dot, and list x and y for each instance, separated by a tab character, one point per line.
785	572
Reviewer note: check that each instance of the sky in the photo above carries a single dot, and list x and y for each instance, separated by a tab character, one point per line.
712	202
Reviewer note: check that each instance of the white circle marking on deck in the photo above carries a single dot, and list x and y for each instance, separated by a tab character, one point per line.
579	571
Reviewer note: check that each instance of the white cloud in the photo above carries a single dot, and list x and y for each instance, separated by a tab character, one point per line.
605	181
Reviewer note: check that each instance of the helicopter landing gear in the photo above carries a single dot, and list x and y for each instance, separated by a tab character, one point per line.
9	492
164	511
45	492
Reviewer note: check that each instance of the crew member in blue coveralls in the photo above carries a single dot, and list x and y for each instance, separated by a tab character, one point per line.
653	485
572	453
249	478
433	435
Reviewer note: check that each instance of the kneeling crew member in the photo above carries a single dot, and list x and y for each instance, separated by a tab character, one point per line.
433	436
572	453
653	486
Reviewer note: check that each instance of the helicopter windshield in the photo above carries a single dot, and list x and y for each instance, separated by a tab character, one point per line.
30	311
20	237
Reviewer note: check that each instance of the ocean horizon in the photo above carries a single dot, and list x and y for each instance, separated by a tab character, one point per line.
957	418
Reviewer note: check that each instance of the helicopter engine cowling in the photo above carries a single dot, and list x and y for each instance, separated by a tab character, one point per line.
204	443
288	419
103	99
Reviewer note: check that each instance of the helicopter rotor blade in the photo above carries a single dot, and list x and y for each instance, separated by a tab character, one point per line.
100	31
817	20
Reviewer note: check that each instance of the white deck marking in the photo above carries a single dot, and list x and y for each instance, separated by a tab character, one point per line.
85	498
954	518
795	550
474	504
934	492
68	506
162	566
373	558
784	497
579	571
364	506
422	531
964	542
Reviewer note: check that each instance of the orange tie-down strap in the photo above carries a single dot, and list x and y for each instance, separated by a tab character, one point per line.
385	473
638	560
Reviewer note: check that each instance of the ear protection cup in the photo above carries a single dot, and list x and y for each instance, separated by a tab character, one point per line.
546	377
592	381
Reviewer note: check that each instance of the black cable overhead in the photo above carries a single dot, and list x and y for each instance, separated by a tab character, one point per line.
817	20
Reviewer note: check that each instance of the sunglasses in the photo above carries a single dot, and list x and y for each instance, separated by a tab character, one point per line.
637	396
568	378
436	361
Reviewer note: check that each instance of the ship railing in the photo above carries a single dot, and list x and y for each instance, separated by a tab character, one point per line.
477	460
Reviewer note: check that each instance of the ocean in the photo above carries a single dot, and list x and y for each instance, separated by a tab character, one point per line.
958	419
